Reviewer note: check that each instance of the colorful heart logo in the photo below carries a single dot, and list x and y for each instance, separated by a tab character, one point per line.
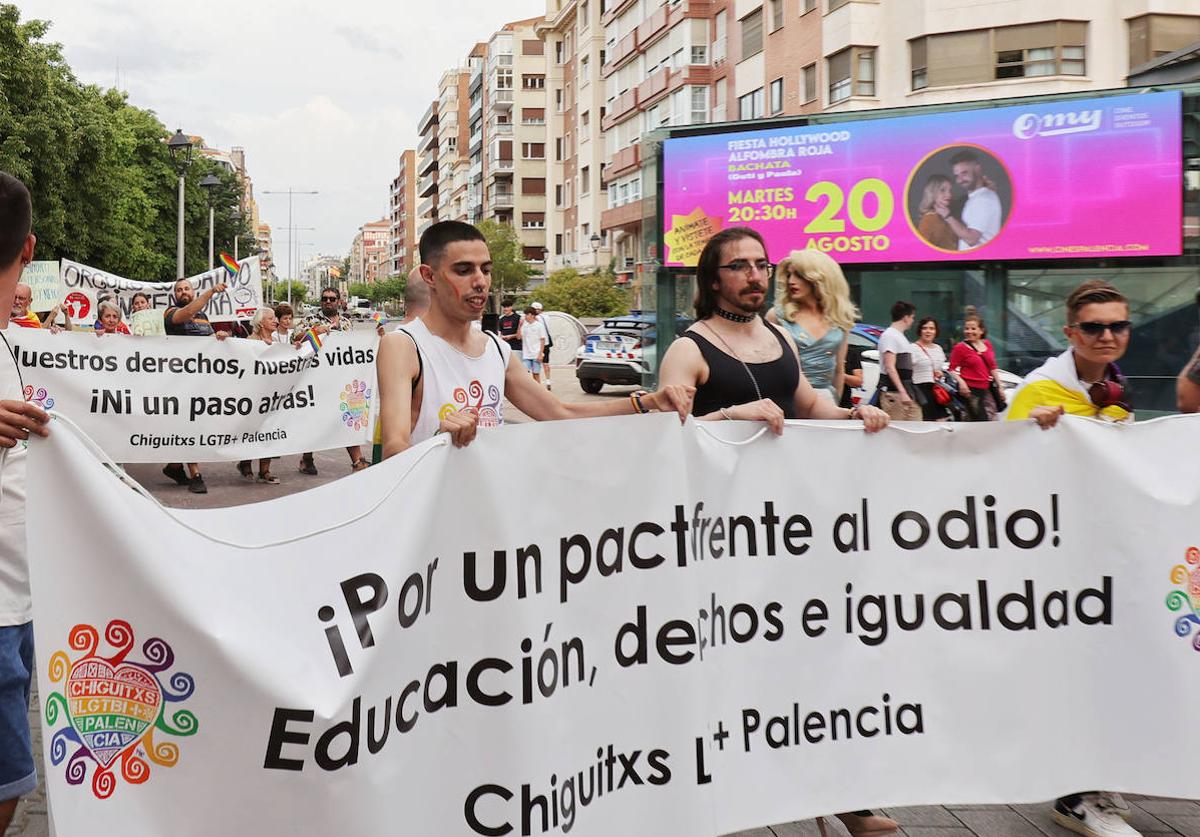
111	706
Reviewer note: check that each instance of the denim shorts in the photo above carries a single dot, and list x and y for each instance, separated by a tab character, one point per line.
532	364
17	773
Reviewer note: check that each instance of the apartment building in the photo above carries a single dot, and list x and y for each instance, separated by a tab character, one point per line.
454	132
575	107
427	168
370	253
262	233
677	62
403	216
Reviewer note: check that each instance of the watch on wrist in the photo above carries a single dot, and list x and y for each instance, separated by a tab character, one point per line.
635	398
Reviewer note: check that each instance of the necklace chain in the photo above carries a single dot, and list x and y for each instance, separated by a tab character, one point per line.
735	356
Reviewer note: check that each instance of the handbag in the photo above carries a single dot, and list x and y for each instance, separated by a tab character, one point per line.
997	396
940	393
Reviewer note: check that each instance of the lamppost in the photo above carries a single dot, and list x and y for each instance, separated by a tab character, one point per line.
545	265
290	193
235	215
208	183
181	155
595	239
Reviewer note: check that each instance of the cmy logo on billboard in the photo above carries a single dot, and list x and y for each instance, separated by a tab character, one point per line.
1030	125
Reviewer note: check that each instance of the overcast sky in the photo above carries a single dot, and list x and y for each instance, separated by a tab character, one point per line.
322	95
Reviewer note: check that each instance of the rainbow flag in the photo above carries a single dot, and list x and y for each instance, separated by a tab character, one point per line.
380	318
313	339
231	266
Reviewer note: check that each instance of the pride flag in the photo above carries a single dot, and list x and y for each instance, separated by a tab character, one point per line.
231	266
380	318
313	339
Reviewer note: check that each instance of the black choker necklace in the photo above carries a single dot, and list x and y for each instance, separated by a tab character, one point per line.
734	318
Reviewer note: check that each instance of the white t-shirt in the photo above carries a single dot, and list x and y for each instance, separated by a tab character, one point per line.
15	607
532	335
982	214
925	359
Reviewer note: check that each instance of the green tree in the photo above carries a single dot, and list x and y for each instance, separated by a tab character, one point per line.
359	289
510	271
594	295
279	292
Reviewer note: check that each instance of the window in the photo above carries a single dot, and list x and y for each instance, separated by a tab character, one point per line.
750	106
504	79
718	99
718	47
533	82
585	180
558	149
851	73
558	244
808	80
533	185
807	6
777	96
776	7
699	105
584	20
533	116
836	4
533	46
558	52
558	99
558	195
1153	36
752	34
585	77
533	220
917	58
699	54
1028	50
534	151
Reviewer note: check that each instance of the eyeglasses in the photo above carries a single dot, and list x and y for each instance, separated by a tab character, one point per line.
1092	329
329	299
748	267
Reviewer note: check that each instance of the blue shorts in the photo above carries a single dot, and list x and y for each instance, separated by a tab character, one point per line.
532	364
17	773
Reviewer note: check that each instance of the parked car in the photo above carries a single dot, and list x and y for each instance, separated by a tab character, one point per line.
619	351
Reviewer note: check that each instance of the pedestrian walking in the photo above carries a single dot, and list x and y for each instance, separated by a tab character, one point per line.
185	317
437	374
741	366
541	318
509	326
814	307
533	343
18	420
897	394
929	376
1085	381
974	361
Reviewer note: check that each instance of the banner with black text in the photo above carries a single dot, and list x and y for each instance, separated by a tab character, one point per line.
624	626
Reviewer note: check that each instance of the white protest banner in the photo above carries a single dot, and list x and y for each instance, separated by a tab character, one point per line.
42	277
85	285
654	631
198	399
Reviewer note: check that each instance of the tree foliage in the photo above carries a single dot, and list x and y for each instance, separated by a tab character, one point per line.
594	295
103	185
278	291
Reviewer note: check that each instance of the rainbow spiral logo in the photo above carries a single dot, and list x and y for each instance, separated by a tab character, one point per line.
39	397
355	404
112	707
1187	597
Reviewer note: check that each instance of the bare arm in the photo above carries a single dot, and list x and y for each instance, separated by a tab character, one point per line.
888	359
536	402
965	233
182	315
839	371
1187	386
397	367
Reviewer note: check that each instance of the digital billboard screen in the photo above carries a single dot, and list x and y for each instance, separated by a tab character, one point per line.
1062	179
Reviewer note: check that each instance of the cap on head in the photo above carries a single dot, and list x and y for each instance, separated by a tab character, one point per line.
536	305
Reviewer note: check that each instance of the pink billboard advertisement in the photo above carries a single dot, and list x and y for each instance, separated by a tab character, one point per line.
1065	179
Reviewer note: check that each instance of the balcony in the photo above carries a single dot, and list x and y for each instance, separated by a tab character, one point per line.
428	186
614	11
502	59
500	129
629	215
501	99
621	106
623	162
427	208
428	119
500	198
652	26
499	165
427	142
654	86
621	51
426	164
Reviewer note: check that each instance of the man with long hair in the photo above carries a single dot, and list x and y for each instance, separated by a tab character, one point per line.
741	366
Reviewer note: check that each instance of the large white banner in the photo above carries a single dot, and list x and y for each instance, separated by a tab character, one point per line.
197	399
83	286
624	626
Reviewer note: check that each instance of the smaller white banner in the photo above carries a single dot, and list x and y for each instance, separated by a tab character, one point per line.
43	280
83	286
197	399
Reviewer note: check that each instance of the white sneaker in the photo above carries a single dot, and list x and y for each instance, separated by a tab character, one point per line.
1092	819
1114	802
549	385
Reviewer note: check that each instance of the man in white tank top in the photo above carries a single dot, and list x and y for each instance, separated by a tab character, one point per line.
439	375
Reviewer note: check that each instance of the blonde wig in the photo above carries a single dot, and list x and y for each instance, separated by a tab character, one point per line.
829	286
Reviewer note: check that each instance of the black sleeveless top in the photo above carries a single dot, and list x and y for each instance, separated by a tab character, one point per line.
728	384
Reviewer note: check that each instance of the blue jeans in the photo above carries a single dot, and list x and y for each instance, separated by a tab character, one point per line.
17	773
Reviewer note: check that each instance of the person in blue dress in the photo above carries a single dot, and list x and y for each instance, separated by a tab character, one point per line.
814	307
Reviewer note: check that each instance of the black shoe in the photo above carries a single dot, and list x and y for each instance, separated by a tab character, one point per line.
307	466
196	485
175	471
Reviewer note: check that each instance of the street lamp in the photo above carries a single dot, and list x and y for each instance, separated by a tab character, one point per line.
596	239
208	183
235	215
181	156
545	264
290	193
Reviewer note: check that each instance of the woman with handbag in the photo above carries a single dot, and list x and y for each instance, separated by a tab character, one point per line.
928	358
974	360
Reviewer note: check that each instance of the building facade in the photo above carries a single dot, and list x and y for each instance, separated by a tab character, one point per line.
427	169
370	253
403	216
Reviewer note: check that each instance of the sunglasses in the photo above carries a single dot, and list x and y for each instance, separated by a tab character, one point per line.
329	299
1096	329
